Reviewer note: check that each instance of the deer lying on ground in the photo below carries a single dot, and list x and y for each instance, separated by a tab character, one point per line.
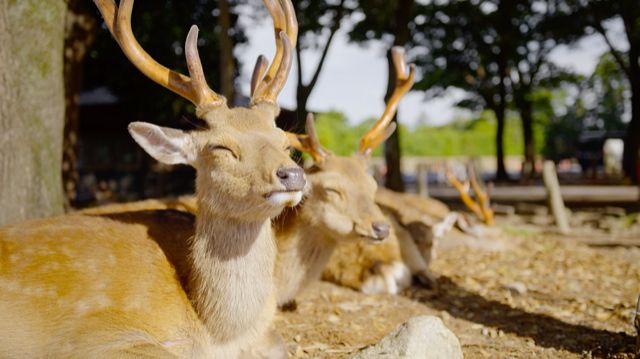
416	226
338	210
129	285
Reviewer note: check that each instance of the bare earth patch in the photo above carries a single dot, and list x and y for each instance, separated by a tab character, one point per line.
550	297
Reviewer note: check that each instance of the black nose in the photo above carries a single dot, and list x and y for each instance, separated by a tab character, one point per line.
381	229
292	178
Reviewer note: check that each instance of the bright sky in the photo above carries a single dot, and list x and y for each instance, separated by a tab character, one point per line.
353	79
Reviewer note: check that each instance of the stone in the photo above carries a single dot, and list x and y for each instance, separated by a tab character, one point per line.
423	337
516	288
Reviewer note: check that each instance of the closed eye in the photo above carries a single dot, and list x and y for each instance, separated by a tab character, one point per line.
332	190
289	149
222	148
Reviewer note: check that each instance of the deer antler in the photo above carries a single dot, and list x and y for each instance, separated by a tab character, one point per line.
464	192
381	130
483	198
286	28
194	89
482	210
310	143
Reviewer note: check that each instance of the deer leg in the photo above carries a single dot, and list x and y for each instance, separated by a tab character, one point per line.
138	351
270	346
389	278
413	258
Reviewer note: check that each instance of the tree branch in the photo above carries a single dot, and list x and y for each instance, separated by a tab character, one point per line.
614	52
334	29
299	66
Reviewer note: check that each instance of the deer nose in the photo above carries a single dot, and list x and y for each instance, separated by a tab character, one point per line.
381	229
292	178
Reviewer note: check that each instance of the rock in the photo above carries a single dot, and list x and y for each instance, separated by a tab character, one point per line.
423	337
516	288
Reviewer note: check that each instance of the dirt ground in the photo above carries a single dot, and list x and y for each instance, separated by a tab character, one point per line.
567	299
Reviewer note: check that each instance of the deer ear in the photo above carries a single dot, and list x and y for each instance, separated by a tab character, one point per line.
166	145
443	226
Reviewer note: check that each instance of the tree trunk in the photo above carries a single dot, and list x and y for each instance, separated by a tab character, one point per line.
227	64
80	32
632	142
31	108
393	179
501	175
392	146
527	129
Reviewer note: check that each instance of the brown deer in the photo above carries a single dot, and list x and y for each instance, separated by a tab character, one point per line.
161	284
339	207
338	211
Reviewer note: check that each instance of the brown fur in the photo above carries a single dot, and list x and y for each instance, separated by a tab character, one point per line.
144	284
338	208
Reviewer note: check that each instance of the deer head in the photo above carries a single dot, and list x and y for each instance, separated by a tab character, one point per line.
342	195
243	163
481	208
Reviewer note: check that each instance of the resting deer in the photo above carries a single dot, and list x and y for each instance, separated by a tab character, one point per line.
339	211
339	207
130	285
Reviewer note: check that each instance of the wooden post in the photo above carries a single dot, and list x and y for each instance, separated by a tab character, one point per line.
554	196
423	182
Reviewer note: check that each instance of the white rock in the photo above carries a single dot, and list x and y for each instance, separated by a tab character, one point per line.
423	337
516	288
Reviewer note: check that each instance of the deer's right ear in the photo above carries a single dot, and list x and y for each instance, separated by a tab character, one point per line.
166	145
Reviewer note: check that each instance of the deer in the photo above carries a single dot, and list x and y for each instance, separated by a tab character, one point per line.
166	284
338	211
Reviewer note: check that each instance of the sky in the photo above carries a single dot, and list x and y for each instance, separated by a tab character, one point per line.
353	79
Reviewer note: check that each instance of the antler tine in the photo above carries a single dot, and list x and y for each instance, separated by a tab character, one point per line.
404	83
118	21
258	72
286	29
464	192
483	198
205	96
309	143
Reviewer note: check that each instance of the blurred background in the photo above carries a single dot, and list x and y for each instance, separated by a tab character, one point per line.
505	84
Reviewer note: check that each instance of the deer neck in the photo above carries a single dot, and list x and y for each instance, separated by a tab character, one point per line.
231	276
303	252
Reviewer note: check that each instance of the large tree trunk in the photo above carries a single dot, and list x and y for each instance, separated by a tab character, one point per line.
31	108
227	64
80	32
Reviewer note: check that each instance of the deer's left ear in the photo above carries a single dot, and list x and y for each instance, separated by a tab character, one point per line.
166	145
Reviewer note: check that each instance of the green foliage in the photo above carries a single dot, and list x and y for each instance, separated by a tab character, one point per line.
598	105
336	135
474	137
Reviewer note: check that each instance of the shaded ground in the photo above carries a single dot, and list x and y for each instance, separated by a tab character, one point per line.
578	303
